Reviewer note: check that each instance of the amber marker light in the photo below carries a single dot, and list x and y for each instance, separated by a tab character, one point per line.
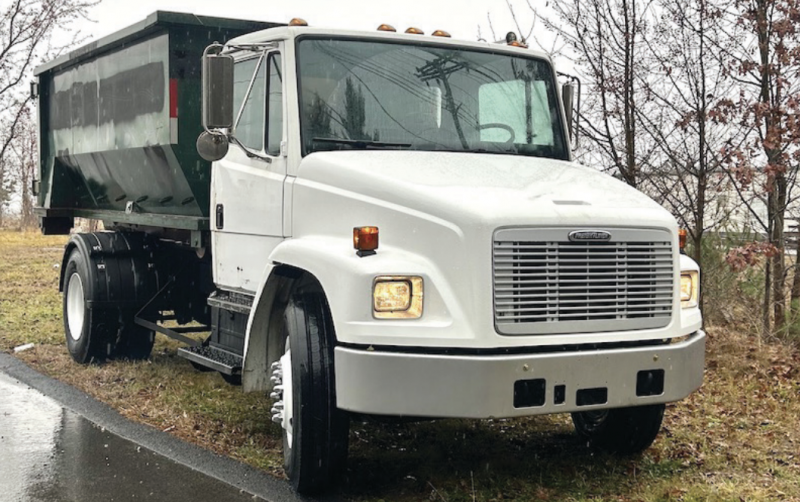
516	43
415	31
365	240
682	234
440	33
298	22
386	27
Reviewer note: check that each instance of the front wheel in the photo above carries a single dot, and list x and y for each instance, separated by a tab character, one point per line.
315	430
623	431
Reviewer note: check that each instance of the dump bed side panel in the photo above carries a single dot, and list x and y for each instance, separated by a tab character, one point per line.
118	128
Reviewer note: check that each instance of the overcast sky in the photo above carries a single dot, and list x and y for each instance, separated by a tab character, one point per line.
459	17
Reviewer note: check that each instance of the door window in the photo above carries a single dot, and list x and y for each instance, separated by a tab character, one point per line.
250	128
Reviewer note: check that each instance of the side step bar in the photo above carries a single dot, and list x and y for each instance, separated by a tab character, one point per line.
220	360
228	300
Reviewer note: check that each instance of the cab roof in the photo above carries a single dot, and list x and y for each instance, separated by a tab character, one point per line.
292	32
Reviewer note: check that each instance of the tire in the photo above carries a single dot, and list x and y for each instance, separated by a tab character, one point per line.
135	343
199	367
623	431
235	380
316	452
90	332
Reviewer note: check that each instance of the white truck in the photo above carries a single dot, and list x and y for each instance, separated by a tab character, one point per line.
393	225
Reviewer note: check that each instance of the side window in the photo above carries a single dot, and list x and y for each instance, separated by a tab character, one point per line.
250	129
275	106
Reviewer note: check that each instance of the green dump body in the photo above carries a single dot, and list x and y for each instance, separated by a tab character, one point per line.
118	123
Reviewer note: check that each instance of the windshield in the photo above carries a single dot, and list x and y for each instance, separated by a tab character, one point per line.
364	94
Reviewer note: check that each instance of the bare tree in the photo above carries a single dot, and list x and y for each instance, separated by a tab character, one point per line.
689	83
765	66
607	39
23	157
26	31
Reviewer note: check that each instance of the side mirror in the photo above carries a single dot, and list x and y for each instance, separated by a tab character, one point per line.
568	97
217	90
212	147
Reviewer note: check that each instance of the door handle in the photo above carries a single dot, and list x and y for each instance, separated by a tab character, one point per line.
220	216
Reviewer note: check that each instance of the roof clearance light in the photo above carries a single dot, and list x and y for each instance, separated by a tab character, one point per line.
415	31
298	22
386	27
516	43
440	33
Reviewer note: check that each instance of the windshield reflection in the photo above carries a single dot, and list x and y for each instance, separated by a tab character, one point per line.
364	94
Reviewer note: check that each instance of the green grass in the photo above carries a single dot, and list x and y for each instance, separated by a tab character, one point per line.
736	439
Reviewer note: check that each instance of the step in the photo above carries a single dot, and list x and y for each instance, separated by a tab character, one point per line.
214	358
228	300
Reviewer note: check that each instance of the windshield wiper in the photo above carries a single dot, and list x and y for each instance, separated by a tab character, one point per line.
362	144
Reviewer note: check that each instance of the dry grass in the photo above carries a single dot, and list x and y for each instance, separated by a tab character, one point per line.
736	439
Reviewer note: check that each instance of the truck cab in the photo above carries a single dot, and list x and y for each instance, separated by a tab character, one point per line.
396	228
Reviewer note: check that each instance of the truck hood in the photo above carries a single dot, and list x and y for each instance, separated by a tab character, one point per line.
495	189
438	215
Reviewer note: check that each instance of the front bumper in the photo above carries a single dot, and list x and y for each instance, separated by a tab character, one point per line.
424	385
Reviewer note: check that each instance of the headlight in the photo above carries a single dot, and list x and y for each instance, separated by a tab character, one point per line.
690	289
397	298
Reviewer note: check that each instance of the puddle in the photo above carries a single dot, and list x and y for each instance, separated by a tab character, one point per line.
49	454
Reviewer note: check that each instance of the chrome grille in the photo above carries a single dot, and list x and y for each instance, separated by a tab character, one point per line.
543	283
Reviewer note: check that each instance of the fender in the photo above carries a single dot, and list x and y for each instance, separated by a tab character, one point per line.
126	278
337	268
287	262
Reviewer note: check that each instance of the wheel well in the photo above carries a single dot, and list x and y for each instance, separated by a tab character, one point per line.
265	343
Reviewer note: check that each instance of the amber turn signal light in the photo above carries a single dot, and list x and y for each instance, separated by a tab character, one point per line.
365	239
682	234
415	31
440	33
386	27
298	22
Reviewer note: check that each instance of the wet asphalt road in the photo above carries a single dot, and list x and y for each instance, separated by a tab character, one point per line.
58	444
50	454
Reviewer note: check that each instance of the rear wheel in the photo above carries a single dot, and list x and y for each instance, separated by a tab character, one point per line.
623	431
89	331
315	430
235	380
135	343
102	293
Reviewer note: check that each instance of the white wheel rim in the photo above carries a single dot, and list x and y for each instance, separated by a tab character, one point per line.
286	364
76	312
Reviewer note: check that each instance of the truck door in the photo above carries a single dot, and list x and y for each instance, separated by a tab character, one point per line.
247	185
